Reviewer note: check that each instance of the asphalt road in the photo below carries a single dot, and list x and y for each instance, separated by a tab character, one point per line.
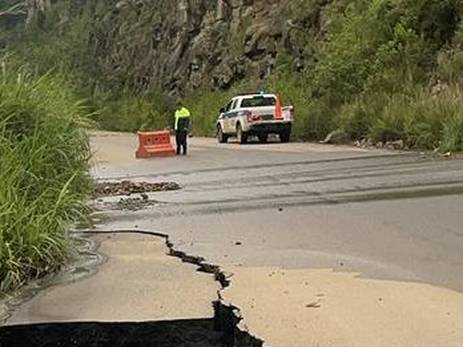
324	245
385	215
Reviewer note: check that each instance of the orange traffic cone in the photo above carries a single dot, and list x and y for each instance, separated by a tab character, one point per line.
278	109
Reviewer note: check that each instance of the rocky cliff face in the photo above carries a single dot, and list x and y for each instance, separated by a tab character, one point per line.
185	44
179	46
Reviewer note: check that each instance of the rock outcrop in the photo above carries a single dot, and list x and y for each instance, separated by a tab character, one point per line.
179	46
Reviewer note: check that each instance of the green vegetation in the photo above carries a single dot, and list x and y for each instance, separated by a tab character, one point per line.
132	112
385	71
382	70
43	173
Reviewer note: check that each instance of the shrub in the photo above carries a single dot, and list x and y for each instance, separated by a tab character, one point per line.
358	117
450	105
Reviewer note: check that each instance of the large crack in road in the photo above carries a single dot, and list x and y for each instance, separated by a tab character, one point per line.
222	330
29	317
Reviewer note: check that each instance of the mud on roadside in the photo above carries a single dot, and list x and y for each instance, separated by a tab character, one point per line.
132	196
105	189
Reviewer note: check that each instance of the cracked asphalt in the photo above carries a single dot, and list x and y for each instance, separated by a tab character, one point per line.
375	223
384	214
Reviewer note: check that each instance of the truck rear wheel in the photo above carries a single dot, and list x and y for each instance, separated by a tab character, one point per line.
241	135
285	136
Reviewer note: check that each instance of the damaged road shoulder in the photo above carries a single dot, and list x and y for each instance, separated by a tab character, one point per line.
224	328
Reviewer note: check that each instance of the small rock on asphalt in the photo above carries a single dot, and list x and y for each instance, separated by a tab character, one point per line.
313	305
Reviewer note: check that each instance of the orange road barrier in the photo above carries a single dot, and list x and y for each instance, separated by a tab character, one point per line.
154	144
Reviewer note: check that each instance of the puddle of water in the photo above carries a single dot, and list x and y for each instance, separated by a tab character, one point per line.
84	263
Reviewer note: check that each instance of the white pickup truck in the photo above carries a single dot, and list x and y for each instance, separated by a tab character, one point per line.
255	115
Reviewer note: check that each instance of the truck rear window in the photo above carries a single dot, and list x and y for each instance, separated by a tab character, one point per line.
258	101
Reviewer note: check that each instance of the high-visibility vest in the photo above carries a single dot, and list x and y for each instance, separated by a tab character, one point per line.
181	114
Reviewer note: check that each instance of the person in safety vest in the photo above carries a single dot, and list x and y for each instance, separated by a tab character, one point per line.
182	126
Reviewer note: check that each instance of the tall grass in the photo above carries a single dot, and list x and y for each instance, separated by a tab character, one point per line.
43	174
132	112
419	117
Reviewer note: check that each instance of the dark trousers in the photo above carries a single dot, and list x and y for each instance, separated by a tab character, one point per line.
181	139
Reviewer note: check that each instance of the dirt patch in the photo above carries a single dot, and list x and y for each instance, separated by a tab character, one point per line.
104	189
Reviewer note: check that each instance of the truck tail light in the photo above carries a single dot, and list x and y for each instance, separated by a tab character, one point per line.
252	117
